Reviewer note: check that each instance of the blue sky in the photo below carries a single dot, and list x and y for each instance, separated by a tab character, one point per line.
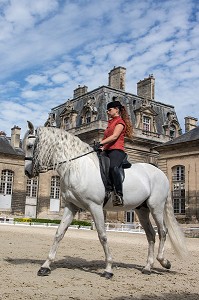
48	47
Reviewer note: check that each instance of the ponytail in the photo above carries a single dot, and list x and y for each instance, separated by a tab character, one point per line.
126	119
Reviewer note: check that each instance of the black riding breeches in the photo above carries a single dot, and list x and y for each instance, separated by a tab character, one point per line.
116	158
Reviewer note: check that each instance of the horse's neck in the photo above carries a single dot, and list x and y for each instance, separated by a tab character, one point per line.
56	146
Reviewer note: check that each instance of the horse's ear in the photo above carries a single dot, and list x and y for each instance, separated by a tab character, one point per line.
31	127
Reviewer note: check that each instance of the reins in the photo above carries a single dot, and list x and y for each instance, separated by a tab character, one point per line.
60	163
65	161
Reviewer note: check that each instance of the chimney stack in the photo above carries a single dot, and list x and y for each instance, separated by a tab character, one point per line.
15	136
190	123
80	91
146	88
117	77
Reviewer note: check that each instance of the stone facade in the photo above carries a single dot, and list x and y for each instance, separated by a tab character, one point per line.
179	159
85	116
12	184
155	124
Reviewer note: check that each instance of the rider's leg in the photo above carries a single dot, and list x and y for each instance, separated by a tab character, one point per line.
117	181
116	159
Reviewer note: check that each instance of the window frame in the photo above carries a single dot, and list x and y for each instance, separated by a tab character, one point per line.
6	183
178	189
146	125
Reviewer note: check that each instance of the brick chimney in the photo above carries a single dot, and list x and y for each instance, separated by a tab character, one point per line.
146	88
80	91
15	136
190	123
117	78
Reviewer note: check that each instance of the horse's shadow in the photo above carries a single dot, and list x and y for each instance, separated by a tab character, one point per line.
93	266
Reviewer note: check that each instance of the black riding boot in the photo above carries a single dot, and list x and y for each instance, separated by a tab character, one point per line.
117	181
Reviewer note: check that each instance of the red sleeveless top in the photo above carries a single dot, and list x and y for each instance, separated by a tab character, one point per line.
119	143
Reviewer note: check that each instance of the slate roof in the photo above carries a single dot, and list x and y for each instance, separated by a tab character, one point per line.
104	94
6	148
192	135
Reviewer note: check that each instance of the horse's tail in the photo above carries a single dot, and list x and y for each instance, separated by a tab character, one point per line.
175	233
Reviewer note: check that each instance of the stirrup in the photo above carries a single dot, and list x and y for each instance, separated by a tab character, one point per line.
118	200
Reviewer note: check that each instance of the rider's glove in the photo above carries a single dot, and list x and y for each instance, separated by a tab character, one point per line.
97	147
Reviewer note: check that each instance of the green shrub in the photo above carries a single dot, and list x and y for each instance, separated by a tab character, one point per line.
32	220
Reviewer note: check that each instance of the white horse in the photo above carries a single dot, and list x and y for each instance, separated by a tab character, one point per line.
146	189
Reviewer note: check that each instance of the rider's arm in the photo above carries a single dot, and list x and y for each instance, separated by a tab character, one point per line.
116	133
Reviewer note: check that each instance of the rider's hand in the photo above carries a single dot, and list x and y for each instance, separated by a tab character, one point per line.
97	147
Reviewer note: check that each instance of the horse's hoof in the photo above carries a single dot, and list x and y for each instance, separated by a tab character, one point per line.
107	275
147	272
168	265
43	271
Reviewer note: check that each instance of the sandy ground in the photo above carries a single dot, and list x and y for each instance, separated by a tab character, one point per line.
80	262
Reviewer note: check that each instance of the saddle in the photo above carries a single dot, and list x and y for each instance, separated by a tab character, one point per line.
104	163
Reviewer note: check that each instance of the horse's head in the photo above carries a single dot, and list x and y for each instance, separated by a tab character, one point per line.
28	148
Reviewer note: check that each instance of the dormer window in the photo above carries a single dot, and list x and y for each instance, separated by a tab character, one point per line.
172	131
146	123
88	116
66	123
89	112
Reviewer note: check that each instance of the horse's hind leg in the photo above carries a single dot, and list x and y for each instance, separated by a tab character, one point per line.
69	213
158	218
98	217
143	215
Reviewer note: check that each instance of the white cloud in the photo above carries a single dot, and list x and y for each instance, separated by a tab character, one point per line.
35	80
48	47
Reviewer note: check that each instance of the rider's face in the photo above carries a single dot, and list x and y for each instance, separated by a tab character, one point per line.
113	112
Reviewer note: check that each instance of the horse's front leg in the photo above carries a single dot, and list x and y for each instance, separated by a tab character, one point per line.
69	213
98	217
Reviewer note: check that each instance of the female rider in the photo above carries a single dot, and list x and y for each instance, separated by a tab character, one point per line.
119	126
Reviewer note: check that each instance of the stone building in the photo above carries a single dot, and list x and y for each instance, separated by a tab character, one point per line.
12	192
85	116
155	123
179	159
20	196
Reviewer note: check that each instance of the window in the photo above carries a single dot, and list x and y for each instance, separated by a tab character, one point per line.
88	117
178	186
66	123
130	216
172	132
146	123
55	187
31	187
55	194
6	182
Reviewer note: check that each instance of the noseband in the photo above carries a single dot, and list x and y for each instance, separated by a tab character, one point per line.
30	137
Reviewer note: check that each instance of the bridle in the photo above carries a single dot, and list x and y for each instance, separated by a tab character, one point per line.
29	158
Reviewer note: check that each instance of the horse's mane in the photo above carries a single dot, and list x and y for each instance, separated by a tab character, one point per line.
60	144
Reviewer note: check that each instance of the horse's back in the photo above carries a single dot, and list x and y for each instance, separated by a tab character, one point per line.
142	182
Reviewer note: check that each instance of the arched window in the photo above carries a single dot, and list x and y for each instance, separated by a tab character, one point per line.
178	189
31	187
6	182
55	194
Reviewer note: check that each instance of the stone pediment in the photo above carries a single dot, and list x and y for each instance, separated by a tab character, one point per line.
148	110
68	109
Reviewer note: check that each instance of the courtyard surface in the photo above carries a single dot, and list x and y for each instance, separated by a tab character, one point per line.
80	262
